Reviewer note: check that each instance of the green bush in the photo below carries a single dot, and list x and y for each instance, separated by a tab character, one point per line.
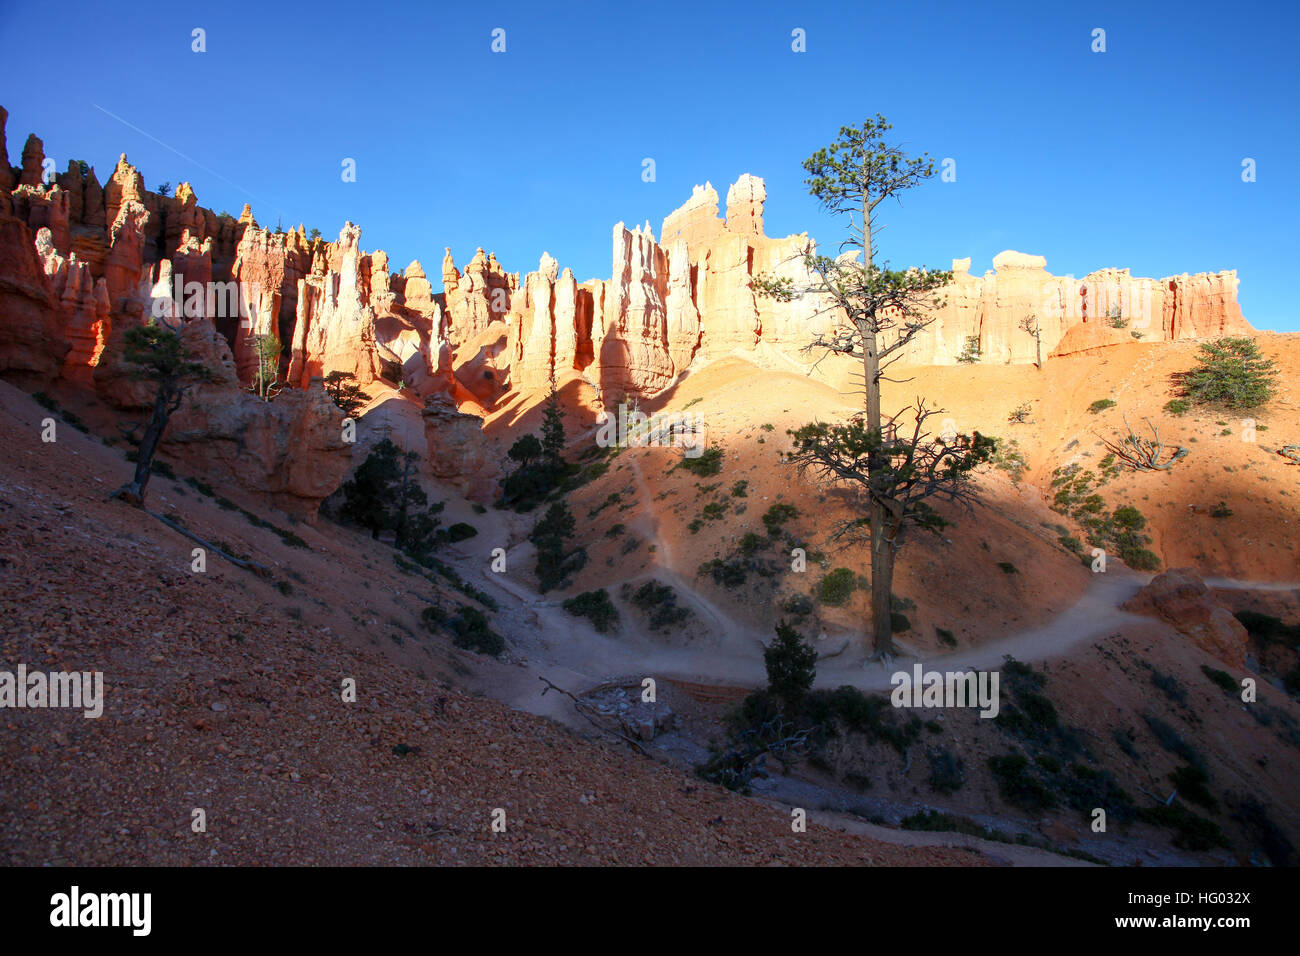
1265	630
730	573
1191	832
705	465
460	531
659	602
836	587
1232	374
947	772
1222	678
1177	406
1017	784
1192	783
596	607
1100	405
776	516
472	632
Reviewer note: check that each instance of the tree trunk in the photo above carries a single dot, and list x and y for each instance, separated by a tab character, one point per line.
133	491
882	564
882	584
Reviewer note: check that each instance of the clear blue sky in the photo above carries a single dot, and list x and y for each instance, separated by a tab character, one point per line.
1130	157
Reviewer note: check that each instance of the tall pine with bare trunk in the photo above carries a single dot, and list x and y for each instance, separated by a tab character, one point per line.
874	313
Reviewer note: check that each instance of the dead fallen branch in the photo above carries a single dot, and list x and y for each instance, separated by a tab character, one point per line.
586	711
253	566
1144	454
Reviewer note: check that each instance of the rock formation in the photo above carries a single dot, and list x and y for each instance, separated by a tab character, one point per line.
85	262
1179	597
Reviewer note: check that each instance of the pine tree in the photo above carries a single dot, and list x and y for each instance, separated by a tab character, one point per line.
791	667
877	312
1232	374
157	355
343	390
553	432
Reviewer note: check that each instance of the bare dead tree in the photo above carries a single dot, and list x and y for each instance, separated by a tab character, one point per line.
1031	325
1144	454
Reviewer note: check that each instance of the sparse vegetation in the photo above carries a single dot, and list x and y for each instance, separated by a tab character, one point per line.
1100	405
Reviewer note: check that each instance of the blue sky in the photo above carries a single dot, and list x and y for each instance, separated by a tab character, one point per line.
1130	157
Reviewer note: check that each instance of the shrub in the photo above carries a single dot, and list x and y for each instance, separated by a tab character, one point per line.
1232	374
1191	832
1177	406
1007	567
730	573
1169	686
460	531
836	587
1171	740
472	632
946	636
596	607
659	602
947	773
1265	629
1008	457
1222	678
740	489
705	465
1100	405
1192	784
775	517
1017	785
800	605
